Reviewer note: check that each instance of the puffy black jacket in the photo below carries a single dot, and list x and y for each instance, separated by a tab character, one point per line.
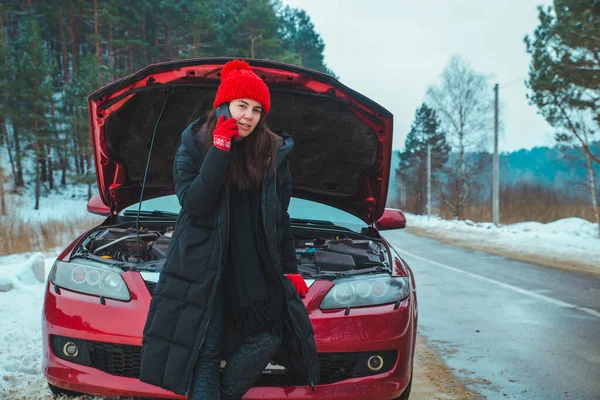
183	298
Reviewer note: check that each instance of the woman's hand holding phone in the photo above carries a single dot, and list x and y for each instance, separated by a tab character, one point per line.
225	130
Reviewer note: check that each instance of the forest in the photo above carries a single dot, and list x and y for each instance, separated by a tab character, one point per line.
53	54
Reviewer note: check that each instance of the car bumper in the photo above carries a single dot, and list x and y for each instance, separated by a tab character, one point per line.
362	330
89	380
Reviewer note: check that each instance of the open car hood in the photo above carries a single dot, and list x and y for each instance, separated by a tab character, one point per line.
343	140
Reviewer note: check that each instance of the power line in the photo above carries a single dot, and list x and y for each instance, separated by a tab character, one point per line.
512	82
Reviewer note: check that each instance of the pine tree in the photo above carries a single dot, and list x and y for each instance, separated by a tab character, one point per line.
302	45
425	131
564	77
6	91
257	31
4	95
564	73
9	109
203	34
34	90
78	128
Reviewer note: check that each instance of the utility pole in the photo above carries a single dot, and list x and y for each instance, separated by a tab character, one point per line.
495	177
428	180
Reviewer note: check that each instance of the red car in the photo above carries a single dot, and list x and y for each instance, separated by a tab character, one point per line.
362	300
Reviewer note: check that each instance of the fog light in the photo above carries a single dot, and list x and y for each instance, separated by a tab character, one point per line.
375	363
70	349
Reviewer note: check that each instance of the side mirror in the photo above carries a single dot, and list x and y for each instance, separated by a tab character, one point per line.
96	206
392	218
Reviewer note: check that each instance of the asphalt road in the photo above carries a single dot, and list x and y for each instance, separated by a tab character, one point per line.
510	329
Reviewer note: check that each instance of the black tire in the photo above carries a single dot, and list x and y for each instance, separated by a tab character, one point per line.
60	391
406	394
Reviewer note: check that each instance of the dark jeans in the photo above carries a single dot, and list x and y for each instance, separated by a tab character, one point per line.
243	367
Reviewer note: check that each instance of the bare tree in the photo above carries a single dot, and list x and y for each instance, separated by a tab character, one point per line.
464	103
579	129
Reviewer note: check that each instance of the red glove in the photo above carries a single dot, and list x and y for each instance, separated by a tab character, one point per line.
299	284
224	131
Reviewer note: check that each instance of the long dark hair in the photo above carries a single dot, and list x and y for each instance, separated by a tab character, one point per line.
252	156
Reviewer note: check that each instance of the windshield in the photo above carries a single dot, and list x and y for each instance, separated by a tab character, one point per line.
298	209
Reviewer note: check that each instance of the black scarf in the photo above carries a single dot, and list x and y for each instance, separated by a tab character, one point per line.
253	289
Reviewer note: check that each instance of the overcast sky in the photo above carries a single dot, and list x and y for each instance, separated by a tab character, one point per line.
392	50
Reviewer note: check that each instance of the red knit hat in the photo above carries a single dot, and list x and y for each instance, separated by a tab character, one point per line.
239	82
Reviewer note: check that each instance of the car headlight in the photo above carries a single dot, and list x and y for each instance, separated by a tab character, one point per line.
97	280
363	291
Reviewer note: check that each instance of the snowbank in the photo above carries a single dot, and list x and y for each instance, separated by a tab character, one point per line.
21	375
20	332
31	272
569	238
21	344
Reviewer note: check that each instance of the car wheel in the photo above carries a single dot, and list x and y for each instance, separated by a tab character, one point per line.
406	394
61	391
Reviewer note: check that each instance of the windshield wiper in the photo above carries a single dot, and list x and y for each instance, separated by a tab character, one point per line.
317	223
330	275
311	221
155	213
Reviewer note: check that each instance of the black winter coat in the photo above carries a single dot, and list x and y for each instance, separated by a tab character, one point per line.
183	298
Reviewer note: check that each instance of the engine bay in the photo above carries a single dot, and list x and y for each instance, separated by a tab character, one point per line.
318	251
121	244
331	256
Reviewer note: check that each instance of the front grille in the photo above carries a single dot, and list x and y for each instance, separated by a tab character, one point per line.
116	359
125	360
334	368
150	286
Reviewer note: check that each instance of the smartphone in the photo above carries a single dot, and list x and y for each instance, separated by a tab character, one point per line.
223	109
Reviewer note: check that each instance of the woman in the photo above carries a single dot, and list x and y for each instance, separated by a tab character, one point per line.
230	287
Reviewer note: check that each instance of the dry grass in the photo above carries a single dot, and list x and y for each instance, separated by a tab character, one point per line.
20	235
520	203
513	212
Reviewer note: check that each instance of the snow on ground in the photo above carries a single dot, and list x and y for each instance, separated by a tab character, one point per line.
20	336
21	333
569	238
20	345
70	204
